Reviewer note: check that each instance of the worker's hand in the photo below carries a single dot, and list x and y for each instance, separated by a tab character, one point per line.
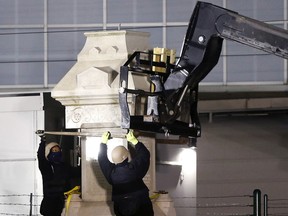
131	138
105	137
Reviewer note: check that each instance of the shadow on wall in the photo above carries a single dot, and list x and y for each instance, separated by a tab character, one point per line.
168	166
167	177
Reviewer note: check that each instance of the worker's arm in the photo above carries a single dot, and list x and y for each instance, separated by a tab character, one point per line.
43	163
141	161
104	163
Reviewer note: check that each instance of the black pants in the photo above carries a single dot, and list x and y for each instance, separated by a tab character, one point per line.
133	207
52	206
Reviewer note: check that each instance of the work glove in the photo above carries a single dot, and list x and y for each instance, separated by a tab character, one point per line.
105	137
131	138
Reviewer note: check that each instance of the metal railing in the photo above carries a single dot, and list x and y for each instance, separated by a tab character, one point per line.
19	204
235	205
238	205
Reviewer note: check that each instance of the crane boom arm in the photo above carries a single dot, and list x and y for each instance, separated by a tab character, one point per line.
201	49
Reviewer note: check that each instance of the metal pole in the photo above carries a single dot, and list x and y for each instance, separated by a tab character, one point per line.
31	196
265	205
257	202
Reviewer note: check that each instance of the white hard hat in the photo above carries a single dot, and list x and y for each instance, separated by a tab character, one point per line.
48	148
119	154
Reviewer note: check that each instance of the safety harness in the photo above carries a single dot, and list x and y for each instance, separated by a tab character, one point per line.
68	195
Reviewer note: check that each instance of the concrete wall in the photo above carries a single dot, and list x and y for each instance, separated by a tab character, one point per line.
237	154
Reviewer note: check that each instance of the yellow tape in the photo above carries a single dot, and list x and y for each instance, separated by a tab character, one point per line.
68	195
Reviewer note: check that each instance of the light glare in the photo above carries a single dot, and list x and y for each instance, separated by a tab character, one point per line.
93	147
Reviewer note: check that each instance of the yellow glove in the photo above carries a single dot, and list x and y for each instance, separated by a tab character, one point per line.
105	137
131	138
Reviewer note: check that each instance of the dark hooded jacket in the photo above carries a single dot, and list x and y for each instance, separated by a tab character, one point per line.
129	192
56	180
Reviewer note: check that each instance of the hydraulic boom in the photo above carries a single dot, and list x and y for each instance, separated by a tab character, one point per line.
208	26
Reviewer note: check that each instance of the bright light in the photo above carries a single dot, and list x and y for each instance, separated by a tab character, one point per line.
93	146
187	156
188	160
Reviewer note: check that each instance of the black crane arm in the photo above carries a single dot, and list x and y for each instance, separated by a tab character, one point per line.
201	49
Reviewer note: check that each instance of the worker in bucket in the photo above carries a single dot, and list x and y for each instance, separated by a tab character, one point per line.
130	195
56	177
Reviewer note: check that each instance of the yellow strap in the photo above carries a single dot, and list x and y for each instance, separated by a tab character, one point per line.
68	194
154	196
157	194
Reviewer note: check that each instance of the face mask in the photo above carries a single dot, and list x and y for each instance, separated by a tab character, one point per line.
55	157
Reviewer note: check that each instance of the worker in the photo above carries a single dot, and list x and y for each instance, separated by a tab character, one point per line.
130	195
56	177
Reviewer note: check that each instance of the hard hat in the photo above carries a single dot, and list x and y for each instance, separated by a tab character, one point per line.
119	154
48	148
